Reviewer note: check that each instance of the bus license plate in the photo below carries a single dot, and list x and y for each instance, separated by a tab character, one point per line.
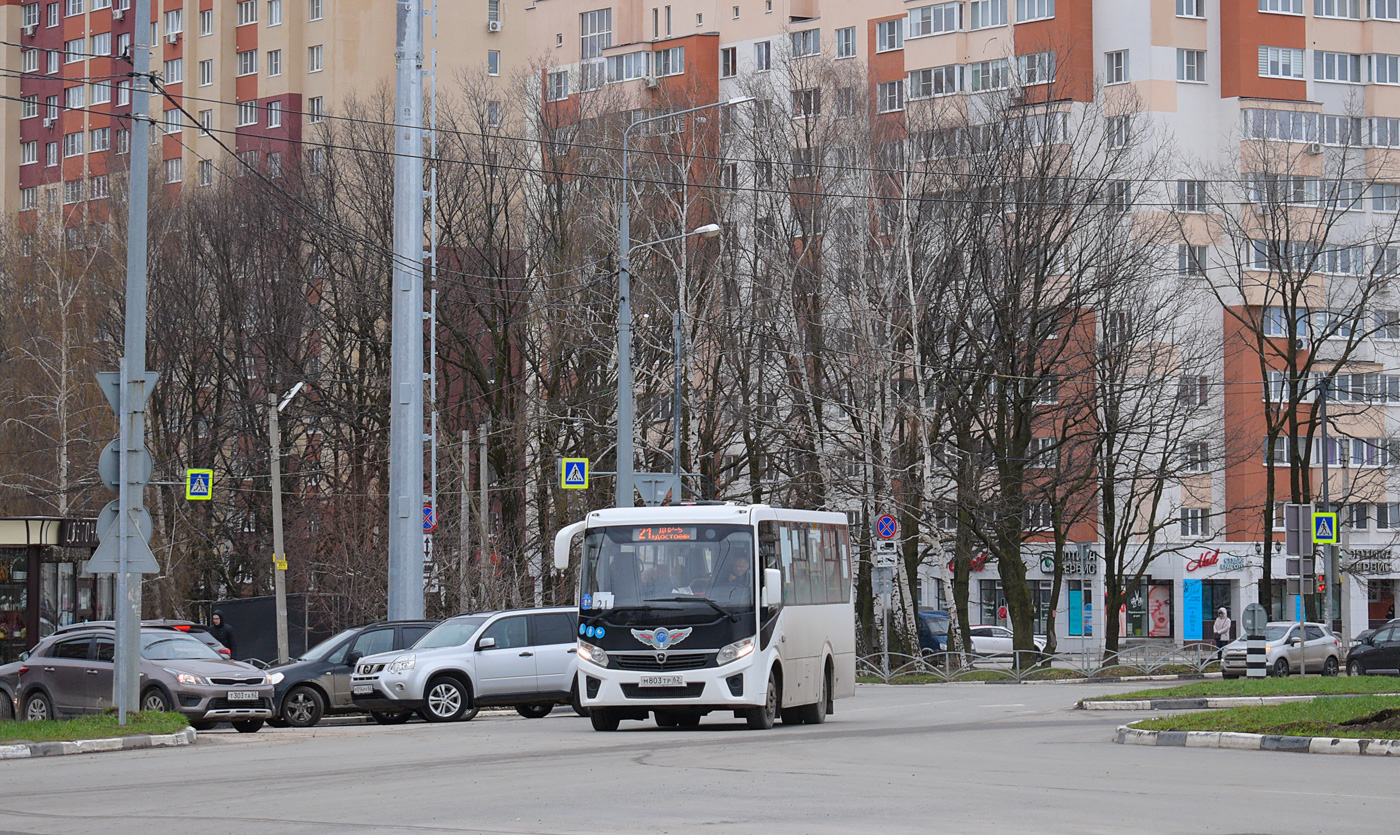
242	695
362	690
663	681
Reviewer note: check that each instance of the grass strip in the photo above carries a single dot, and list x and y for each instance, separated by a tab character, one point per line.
1355	717
97	726
1291	686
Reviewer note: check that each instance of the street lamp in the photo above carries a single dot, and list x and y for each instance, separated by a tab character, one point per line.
279	556
625	416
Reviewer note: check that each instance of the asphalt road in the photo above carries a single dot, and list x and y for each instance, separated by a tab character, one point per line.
944	758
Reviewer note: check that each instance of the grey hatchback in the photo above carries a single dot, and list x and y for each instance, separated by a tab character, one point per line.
70	674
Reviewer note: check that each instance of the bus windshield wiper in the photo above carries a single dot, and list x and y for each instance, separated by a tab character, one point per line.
689	598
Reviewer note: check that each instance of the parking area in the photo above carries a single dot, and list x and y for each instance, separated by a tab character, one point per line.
956	758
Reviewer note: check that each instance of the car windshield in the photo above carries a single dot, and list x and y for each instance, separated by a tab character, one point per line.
321	650
635	565
450	633
1276	631
176	648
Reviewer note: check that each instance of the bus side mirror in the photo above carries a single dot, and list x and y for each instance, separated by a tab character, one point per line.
562	542
772	587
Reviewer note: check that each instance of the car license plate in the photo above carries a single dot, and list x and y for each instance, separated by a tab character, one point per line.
362	690
242	695
663	681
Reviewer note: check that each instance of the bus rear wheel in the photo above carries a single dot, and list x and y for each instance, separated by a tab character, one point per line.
762	718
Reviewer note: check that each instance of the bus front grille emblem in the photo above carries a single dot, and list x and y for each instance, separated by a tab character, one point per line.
661	638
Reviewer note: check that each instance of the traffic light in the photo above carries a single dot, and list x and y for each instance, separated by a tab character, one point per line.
1321	585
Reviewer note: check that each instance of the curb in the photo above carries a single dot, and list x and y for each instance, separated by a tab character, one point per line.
135	742
1214	702
1003	681
1258	742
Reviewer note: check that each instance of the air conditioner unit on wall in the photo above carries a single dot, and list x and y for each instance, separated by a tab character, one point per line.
493	26
652	82
118	14
1313	148
29	30
48	121
173	38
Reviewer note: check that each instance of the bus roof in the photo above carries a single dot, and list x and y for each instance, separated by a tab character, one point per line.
715	514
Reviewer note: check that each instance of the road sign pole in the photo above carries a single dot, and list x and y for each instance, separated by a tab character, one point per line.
279	553
125	672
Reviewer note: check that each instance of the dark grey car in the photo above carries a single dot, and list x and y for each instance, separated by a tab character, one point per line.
318	682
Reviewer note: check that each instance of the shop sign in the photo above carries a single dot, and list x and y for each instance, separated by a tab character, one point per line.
1074	563
1208	558
977	563
1368	561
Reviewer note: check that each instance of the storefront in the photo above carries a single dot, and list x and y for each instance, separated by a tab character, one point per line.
1222	576
42	582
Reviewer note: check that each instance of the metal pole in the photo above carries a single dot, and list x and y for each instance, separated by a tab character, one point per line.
679	350
484	513
464	530
1330	569
623	495
279	552
125	675
406	376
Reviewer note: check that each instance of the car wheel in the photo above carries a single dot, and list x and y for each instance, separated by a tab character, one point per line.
1354	668
762	718
203	726
389	717
445	700
575	702
534	711
248	726
603	720
303	707
7	707
154	699
1281	668
37	707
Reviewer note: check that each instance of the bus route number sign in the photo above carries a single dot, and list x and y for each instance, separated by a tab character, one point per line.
886	527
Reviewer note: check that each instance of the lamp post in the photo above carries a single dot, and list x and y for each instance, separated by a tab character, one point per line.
625	410
279	555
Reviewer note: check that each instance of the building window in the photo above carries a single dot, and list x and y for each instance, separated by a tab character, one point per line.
29	60
247	113
846	42
206	72
29	153
558	85
936	81
29	107
274	114
763	56
1043	454
51	109
728	62
670	61
28	199
1280	62
73	145
53	13
31	15
247	12
123	141
316	160
314	56
1350	9
1281	6
174	22
1115	67
1195	521
206	121
274	12
73	51
493	62
173	121
54	57
73	97
274	62
248	62
889	35
123	93
174	71
50	154
845	102
807	42
985	13
102	43
807	102
1385	197
1192	390
1385	69
987	75
1036	68
889	96
1190	8
123	44
1034	10
595	33
1191	195
1196	457
1040	516
206	22
1191	65
493	114
736	12
206	172
1120	131
628	67
73	191
174	170
74	8
274	164
1379	10
1190	260
314	109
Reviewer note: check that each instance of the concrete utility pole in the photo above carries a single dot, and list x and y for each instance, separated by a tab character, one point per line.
406	376
279	550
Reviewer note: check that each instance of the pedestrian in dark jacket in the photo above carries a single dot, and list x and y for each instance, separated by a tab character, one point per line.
222	632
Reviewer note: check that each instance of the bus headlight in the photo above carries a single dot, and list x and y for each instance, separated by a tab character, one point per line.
734	651
588	652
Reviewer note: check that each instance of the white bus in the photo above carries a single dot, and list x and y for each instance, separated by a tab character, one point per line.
675	622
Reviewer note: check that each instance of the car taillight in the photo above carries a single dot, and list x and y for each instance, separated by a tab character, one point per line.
182	628
226	653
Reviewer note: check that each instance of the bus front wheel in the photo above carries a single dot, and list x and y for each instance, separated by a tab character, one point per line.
762	718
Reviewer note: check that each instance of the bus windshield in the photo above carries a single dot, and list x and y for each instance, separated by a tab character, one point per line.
644	565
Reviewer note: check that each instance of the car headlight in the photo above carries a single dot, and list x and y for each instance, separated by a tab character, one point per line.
188	678
402	664
275	678
589	652
734	651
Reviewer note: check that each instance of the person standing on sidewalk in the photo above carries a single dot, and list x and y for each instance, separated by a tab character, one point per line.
222	632
1221	630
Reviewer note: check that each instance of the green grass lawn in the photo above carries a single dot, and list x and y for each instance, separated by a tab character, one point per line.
100	726
1363	717
1291	686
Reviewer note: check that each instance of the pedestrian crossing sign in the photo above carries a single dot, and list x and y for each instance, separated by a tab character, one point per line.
1325	528
199	485
573	474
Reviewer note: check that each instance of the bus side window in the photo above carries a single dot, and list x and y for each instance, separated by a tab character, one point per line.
802	563
785	553
831	541
845	557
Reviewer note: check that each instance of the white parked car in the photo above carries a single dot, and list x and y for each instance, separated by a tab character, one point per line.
997	640
1285	651
525	659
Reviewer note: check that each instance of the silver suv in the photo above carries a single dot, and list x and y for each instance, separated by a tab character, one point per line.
525	659
1285	651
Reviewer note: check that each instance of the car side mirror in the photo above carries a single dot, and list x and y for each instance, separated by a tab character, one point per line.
772	587
24	656
353	657
485	643
1295	641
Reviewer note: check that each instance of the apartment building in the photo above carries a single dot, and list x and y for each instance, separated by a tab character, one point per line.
1219	78
254	76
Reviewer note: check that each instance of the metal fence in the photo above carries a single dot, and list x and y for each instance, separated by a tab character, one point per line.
1032	665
